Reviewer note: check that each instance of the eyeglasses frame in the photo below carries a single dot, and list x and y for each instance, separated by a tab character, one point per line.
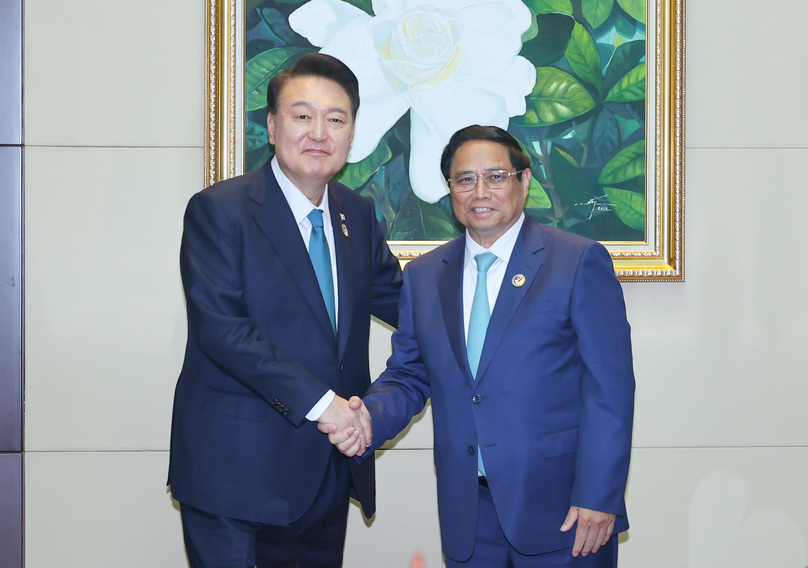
478	178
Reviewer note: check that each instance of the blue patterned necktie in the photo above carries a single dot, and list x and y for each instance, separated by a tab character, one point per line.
321	261
478	323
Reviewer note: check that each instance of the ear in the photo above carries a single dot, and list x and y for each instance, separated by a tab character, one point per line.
271	128
526	173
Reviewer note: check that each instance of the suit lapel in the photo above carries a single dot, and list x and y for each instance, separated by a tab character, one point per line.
342	247
274	218
526	260
450	290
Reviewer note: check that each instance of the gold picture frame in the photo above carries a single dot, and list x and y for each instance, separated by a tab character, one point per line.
660	257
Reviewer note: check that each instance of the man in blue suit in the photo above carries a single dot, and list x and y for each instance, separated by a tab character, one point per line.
518	333
282	269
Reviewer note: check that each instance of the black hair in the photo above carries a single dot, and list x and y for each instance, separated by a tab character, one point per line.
316	65
519	160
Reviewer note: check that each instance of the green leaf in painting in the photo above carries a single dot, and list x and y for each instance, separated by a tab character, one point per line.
557	97
630	88
625	25
629	206
627	164
605	134
418	221
533	30
356	175
550	6
570	179
624	59
628	126
364	5
537	197
596	11
395	178
251	166
278	25
634	8
388	189
553	35
583	56
255	136
261	68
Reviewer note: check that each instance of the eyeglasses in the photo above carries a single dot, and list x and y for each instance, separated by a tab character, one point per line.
496	179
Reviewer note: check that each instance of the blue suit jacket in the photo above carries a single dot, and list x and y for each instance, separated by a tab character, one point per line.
552	407
261	351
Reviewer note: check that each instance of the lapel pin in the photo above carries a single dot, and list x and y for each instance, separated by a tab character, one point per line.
518	280
344	230
342	216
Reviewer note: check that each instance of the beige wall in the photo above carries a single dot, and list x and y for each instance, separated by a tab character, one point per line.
113	116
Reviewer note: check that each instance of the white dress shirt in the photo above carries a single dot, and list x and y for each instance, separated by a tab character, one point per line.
301	206
502	248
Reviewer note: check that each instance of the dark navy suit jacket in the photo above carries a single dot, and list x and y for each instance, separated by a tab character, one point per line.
261	351
552	406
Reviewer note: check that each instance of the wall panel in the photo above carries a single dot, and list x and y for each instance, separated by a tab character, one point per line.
746	79
11	367
103	73
728	344
11	510
105	313
10	299
100	509
717	507
11	72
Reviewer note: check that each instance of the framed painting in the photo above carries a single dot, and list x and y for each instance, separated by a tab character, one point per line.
593	90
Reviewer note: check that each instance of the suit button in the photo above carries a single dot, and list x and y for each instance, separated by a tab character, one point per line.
476	399
472	450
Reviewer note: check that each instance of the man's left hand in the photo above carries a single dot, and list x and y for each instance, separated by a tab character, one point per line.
594	529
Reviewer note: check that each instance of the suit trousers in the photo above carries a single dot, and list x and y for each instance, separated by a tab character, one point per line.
494	551
316	540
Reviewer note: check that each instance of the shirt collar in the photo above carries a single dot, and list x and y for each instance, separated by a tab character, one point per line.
502	248
300	205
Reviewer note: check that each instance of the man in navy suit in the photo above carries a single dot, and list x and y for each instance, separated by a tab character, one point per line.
518	333
282	269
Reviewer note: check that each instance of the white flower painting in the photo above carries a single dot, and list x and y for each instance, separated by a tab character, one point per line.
565	77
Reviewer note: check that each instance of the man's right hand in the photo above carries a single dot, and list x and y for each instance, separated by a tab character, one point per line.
347	423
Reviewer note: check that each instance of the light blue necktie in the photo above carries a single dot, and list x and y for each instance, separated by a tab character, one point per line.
321	261
480	311
478	322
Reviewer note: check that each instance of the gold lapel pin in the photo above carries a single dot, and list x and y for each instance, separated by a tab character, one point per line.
518	280
344	230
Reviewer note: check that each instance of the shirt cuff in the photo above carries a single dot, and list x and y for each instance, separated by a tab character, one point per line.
318	409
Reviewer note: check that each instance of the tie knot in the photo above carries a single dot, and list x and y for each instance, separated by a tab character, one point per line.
316	217
484	261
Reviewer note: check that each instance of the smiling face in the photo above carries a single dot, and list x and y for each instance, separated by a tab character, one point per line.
487	213
312	132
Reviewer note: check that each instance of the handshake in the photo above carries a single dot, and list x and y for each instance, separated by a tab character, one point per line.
348	425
